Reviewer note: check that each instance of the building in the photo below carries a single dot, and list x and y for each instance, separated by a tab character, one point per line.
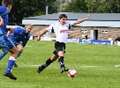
99	26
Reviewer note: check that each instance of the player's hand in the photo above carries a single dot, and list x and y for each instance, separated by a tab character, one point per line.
81	19
1	21
84	18
37	36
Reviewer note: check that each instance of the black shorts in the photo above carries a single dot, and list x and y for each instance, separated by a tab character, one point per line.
59	47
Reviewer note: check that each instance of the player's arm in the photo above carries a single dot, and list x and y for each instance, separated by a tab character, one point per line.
81	20
75	31
78	22
9	31
1	21
41	33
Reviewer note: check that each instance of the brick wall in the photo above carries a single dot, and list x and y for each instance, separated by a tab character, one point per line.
103	33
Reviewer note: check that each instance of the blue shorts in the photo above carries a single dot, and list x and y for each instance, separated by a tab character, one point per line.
6	43
15	41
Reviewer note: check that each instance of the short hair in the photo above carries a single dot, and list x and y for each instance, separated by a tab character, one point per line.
62	16
28	25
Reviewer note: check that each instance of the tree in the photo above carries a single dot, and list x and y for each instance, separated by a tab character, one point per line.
98	6
94	6
76	6
25	8
114	6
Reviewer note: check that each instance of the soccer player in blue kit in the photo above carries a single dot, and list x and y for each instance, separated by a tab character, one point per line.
13	44
6	44
20	36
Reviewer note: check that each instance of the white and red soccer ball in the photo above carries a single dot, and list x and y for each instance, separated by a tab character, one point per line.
72	73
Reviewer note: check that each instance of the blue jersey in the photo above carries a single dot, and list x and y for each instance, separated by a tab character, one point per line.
3	29
5	43
5	20
20	36
4	15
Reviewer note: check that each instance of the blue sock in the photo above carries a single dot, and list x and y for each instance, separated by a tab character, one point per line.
10	66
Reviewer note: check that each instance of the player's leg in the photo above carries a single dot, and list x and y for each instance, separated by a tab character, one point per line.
20	50
3	47
3	53
60	53
61	61
47	63
11	61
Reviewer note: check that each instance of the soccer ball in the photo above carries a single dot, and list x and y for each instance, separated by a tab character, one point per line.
72	73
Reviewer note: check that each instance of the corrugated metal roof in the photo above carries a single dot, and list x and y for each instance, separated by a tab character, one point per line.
95	19
74	16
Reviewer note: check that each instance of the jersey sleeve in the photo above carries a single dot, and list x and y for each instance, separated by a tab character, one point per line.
19	31
71	23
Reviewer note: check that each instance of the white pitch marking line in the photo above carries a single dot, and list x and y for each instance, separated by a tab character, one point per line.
118	65
89	66
82	66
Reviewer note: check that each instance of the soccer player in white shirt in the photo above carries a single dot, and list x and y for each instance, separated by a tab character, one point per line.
61	29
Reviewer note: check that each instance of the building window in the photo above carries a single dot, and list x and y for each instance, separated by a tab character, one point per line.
84	31
105	31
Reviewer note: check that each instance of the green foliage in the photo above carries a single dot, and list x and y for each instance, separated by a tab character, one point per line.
76	6
0	2
26	8
101	6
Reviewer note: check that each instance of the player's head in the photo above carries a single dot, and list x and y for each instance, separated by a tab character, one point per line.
28	28
3	11
62	18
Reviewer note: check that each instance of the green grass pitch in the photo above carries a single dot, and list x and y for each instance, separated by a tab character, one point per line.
98	66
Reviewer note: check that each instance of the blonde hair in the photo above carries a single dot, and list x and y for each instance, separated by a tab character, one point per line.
28	26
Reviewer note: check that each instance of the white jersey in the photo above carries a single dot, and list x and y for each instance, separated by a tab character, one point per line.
61	31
